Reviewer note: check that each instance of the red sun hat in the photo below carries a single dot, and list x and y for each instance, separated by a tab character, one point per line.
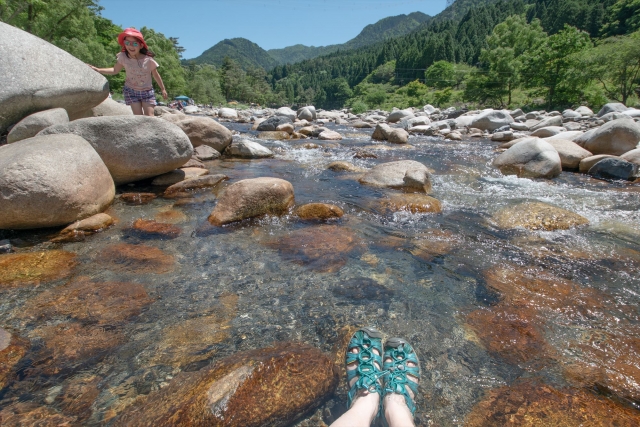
131	32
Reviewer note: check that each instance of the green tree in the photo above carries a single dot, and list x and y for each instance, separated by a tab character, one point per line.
441	75
623	18
503	56
615	63
554	66
203	84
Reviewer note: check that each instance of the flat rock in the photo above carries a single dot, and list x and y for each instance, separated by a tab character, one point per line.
31	125
405	174
51	180
538	216
330	135
206	131
134	147
230	392
139	259
206	181
530	158
247	149
319	211
179	175
251	198
43	82
150	228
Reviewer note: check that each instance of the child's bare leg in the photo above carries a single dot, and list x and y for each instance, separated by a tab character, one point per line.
364	408
147	109
136	107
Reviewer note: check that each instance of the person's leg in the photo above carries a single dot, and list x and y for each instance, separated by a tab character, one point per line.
404	374
365	403
136	107
147	109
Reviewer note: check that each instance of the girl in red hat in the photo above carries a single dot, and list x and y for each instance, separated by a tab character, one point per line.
139	65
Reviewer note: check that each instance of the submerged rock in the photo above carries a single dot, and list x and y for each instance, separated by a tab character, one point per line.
403	174
137	198
529	402
22	414
319	211
34	268
153	229
140	259
363	288
206	181
530	158
12	349
250	198
232	391
414	203
52	180
538	216
324	248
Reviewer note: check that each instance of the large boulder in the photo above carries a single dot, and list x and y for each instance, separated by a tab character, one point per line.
108	107
272	123
286	112
632	156
382	131
264	387
612	107
530	158
132	147
615	137
205	131
51	180
31	125
571	154
534	215
50	78
250	198
403	174
247	149
307	113
492	120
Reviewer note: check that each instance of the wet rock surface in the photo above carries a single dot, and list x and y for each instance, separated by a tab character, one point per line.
12	350
224	394
319	211
135	259
34	268
538	216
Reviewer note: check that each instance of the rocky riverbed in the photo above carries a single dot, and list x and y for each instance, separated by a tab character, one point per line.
135	293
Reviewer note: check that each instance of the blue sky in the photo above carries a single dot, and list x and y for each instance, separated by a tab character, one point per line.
200	24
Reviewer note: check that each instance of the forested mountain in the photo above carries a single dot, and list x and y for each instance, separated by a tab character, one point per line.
243	51
248	54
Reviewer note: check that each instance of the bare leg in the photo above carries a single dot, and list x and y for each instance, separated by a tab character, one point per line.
396	410
136	107
147	109
364	407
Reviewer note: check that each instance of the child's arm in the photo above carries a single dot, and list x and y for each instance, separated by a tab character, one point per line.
108	71
158	80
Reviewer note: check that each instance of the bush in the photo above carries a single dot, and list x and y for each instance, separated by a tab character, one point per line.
359	107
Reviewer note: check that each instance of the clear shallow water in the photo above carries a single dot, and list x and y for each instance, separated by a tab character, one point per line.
218	291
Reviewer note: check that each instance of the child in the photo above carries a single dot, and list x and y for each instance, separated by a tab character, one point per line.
139	65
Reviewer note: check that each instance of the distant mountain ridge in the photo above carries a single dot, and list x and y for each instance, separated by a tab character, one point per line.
249	54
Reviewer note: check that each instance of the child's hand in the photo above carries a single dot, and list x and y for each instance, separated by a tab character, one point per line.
164	94
92	67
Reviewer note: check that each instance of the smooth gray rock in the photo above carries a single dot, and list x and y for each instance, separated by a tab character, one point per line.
205	131
632	156
571	114
587	163
52	180
228	113
407	174
571	154
108	107
614	169
132	147
286	112
492	120
204	152
247	149
381	133
548	131
398	136
612	107
530	158
614	116
399	115
272	123
585	111
615	137
430	109
31	125
547	122
37	76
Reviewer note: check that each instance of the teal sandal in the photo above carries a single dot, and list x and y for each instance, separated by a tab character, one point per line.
365	340
401	353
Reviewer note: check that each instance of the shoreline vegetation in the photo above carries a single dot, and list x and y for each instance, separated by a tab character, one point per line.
528	54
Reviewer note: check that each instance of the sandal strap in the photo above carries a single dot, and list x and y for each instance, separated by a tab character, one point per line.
398	371
365	340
